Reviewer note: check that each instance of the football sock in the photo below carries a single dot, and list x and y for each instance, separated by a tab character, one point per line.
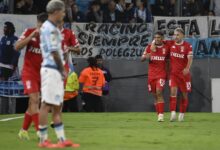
27	121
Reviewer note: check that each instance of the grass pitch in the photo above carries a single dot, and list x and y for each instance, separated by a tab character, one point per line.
124	131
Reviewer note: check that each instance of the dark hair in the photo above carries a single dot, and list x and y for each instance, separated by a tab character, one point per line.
92	62
159	33
42	17
10	26
98	57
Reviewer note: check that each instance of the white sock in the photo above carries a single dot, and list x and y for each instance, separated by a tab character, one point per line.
43	133
59	130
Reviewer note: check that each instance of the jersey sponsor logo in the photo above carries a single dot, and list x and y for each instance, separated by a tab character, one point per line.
177	55
35	50
160	58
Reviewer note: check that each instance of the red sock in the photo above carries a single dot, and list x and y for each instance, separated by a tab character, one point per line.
183	105
172	103
156	107
27	121
160	107
35	119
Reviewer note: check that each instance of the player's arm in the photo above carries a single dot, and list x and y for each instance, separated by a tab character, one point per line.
74	44
153	46
59	63
189	63
23	41
53	46
146	55
74	49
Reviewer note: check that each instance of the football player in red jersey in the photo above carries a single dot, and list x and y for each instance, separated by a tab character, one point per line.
181	57
157	53
31	73
70	45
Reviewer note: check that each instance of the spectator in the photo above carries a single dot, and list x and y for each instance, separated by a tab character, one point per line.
171	8
93	81
142	13
104	5
8	55
211	13
112	15
192	8
69	15
129	13
95	14
23	6
77	15
71	91
120	5
106	72
159	9
3	6
215	6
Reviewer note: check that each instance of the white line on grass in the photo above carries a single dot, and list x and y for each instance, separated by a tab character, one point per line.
13	118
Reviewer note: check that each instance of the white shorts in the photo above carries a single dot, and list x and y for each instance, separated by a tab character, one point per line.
52	88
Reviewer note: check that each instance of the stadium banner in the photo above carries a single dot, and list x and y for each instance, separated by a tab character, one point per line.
192	26
21	22
113	41
205	47
214	26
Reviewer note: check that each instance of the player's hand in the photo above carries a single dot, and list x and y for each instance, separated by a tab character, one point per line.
64	75
34	33
153	46
185	71
143	58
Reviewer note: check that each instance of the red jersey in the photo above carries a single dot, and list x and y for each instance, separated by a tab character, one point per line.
157	63
69	39
178	57
32	58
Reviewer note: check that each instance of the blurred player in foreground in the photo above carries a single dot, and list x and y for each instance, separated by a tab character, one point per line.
52	75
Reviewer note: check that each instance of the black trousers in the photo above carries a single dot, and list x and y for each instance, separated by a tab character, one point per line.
71	105
93	103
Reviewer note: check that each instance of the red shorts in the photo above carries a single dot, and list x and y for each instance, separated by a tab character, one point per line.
184	84
156	84
31	84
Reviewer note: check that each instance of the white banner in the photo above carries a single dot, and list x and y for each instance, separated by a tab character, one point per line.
197	26
113	41
214	26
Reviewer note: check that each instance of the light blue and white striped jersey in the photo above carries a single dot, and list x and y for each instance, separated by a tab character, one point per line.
50	41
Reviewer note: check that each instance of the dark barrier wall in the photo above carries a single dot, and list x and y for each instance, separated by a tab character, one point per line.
130	94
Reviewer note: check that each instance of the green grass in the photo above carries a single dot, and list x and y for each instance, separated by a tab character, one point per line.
125	131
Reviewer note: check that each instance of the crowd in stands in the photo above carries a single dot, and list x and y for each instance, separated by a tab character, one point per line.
125	11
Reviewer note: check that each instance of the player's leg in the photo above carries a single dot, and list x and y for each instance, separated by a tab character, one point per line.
185	88
32	88
59	129
98	104
173	97
43	121
152	89
160	100
33	108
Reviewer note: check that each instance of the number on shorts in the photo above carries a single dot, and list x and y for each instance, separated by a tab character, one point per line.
162	82
188	85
